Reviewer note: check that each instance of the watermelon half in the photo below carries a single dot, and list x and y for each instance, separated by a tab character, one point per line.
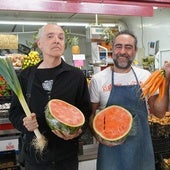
63	116
113	123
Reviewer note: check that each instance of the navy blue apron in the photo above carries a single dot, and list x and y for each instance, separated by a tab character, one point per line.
136	152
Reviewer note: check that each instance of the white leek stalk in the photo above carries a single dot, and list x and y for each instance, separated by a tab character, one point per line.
9	74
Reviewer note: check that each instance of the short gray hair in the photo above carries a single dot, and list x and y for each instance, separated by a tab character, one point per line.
41	30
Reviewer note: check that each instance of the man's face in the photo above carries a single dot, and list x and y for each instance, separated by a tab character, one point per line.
124	51
52	41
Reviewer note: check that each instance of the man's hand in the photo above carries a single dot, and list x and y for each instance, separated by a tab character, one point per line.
166	67
66	136
30	122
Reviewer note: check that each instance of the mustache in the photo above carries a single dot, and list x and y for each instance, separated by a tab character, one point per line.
122	55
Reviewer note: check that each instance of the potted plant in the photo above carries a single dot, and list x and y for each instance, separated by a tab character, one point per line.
107	38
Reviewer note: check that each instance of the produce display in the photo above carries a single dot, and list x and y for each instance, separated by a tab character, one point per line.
159	127
5	89
164	121
63	116
31	59
113	123
16	59
155	82
75	46
22	61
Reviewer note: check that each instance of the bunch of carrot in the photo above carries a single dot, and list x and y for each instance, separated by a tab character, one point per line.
156	81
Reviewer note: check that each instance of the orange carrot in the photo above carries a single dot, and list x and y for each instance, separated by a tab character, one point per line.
162	89
148	89
153	83
152	77
145	92
156	85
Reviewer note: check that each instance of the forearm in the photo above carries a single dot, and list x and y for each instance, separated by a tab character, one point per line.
161	106
94	108
16	115
17	121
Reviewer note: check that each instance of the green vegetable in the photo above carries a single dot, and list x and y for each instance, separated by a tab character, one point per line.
5	89
9	74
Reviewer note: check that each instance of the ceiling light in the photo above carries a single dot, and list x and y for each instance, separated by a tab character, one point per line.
59	23
73	24
155	7
22	23
42	23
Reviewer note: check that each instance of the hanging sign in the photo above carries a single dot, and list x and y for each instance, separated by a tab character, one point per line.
8	41
78	63
79	60
79	57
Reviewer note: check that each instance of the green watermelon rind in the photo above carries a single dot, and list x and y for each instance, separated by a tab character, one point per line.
120	138
116	141
55	124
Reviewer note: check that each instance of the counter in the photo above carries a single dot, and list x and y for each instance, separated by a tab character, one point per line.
89	152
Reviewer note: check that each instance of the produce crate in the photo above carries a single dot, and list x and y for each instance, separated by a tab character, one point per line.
161	145
7	159
159	128
165	161
158	131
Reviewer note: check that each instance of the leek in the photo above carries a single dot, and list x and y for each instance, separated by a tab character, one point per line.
9	74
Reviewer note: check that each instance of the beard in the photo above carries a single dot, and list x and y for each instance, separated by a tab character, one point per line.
122	61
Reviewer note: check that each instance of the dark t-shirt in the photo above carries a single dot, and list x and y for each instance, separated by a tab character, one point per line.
63	82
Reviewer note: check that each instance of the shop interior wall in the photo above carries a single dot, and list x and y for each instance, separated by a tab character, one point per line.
146	29
151	29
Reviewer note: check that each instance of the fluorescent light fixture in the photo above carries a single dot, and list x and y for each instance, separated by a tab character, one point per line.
84	24
155	7
22	23
42	23
59	23
73	24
